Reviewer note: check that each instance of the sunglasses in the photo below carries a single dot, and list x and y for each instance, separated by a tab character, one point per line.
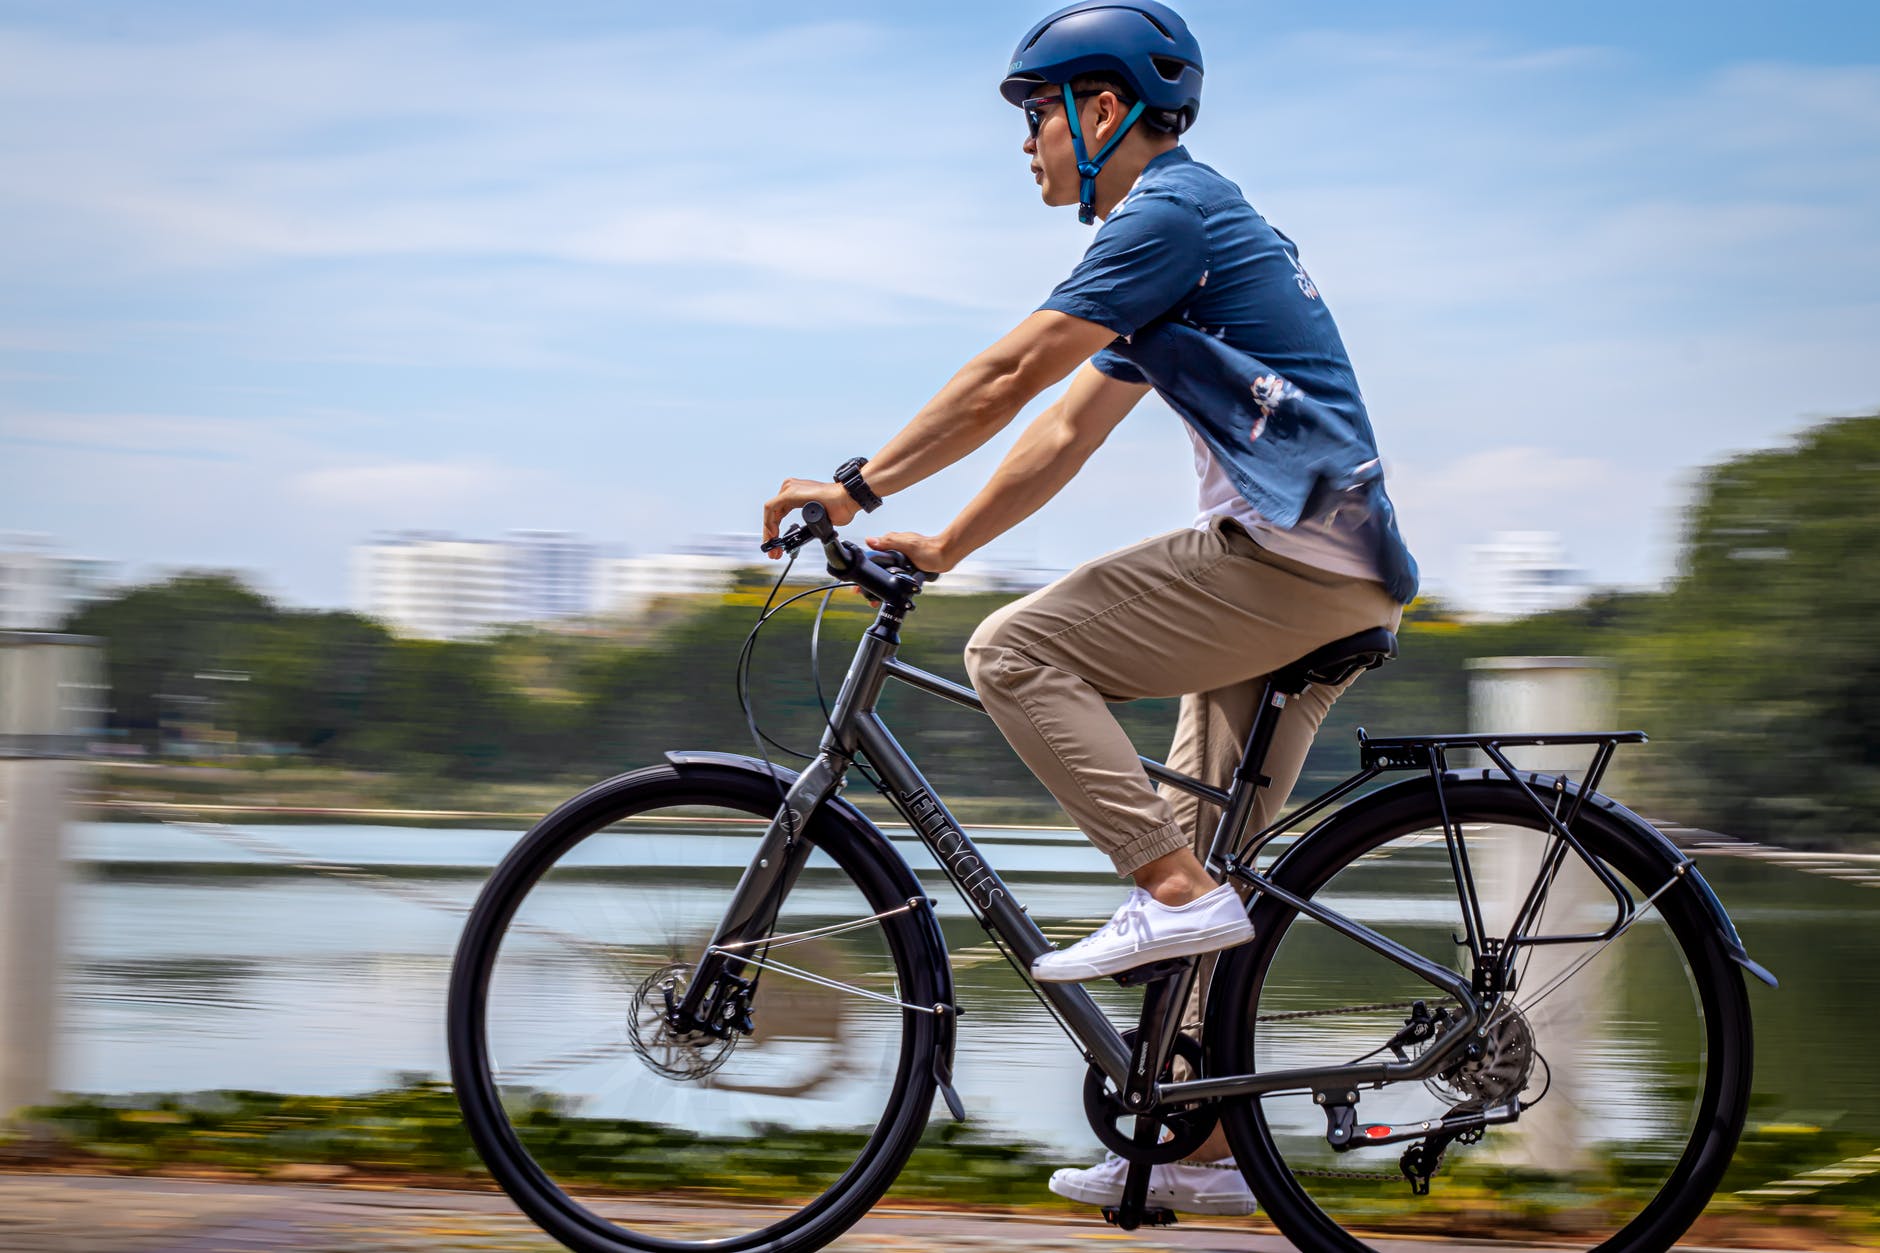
1034	112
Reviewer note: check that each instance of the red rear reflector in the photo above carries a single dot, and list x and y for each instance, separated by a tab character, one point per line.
1377	1132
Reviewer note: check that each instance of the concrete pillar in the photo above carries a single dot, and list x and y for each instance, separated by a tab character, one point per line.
1531	695
49	701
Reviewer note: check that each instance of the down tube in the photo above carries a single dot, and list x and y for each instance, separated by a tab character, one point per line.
976	880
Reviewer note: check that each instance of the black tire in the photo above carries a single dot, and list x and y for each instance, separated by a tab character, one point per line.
909	936
1717	1107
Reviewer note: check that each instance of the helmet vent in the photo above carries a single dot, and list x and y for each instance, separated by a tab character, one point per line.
1168	67
1166	34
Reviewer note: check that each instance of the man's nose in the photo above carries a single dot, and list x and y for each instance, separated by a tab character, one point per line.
1030	146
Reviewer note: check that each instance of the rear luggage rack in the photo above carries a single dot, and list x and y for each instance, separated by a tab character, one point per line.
1425	752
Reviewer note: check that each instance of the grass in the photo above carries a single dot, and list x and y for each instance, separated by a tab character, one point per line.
412	1133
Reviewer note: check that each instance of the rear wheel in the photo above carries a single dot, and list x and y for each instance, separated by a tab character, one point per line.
614	1133
1634	1068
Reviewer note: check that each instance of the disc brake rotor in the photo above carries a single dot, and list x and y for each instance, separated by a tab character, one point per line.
1501	1071
692	1055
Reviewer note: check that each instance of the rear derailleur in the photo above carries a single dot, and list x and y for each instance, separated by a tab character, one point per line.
1480	1082
1424	1158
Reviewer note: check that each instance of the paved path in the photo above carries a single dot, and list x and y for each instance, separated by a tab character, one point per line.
80	1214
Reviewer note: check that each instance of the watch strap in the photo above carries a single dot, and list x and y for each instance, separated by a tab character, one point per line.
849	474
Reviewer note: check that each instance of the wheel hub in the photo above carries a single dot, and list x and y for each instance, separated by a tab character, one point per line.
1494	1068
689	1055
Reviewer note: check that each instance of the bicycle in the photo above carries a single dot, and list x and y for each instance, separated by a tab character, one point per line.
1376	977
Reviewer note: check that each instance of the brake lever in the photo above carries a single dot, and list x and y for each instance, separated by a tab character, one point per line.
788	542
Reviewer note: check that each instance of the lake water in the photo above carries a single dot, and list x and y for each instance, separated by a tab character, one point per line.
199	963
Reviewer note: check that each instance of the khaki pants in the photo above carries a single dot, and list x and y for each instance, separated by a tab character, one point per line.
1200	614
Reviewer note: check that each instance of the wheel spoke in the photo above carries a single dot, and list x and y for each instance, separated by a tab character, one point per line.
1619	1050
806	1097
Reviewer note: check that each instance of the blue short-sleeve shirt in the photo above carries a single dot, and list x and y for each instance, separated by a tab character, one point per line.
1212	308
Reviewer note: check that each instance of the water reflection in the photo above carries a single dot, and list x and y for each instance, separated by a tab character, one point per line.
336	988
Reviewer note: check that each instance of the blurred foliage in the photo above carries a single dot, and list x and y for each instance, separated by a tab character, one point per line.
415	1129
413	1133
1756	672
1763	664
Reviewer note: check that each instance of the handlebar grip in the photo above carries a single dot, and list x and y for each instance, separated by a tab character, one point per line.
894	558
816	522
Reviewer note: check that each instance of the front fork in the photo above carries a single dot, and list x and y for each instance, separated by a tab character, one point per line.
716	999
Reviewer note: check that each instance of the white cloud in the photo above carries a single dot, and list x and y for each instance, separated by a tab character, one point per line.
1563	280
416	488
1617	519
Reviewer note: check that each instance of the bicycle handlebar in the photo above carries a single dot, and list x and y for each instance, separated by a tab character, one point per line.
888	573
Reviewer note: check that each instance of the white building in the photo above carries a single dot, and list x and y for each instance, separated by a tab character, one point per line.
435	586
974	577
1518	573
41	587
551	575
627	586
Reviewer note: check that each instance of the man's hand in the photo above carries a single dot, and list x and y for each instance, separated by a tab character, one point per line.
795	493
927	552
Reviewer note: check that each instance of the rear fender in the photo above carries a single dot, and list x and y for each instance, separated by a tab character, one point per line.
1676	861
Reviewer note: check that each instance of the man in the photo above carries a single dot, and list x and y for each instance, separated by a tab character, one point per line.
1187	290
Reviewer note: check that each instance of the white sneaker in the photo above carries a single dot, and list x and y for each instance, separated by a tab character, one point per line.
1191	1187
1144	930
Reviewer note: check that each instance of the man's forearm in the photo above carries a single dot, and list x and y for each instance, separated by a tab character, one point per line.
976	404
1046	457
983	398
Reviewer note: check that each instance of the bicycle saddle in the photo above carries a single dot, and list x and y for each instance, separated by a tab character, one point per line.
1333	663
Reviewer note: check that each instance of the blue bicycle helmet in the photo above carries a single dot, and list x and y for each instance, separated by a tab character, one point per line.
1141	42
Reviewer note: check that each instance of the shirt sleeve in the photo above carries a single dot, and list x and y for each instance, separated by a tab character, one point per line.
1146	258
1110	364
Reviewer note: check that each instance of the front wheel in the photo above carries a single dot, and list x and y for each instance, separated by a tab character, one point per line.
611	1131
1633	1072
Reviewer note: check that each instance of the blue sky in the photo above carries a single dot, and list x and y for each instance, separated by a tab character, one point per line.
273	277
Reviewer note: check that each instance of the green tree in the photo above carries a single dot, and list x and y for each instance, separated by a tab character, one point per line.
311	678
1764	667
160	637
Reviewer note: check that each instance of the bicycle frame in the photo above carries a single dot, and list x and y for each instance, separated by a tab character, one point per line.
855	726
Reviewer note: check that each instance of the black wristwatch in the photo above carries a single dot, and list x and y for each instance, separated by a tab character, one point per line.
849	474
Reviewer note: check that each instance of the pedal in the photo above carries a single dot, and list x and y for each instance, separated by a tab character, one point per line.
1147	1216
1153	971
1135	1210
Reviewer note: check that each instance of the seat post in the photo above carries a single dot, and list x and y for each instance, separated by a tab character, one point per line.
1248	776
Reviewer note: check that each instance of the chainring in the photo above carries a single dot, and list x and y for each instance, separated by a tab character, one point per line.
1184	1127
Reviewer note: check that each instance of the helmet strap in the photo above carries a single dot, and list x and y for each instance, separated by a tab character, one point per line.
1088	167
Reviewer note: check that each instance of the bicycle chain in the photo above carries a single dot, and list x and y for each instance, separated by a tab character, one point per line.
1342	1009
1381	1176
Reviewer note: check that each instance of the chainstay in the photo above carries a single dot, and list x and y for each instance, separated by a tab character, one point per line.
1290	1015
1363	1176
